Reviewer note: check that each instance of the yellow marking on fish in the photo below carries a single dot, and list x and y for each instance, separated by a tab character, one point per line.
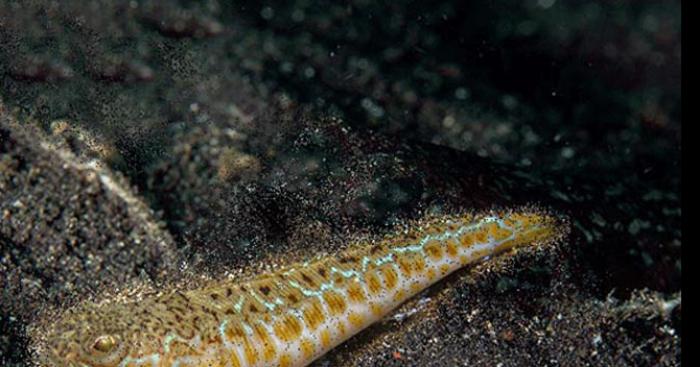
419	264
445	269
376	309
356	320
430	274
451	248
340	328
234	359
292	316
265	340
307	349
285	360
373	283
400	296
355	292
335	302
325	339
405	266
313	315
288	329
466	240
434	250
391	278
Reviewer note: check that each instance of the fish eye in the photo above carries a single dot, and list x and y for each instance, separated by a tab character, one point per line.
102	350
104	344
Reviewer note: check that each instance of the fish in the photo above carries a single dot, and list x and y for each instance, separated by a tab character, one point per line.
293	315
